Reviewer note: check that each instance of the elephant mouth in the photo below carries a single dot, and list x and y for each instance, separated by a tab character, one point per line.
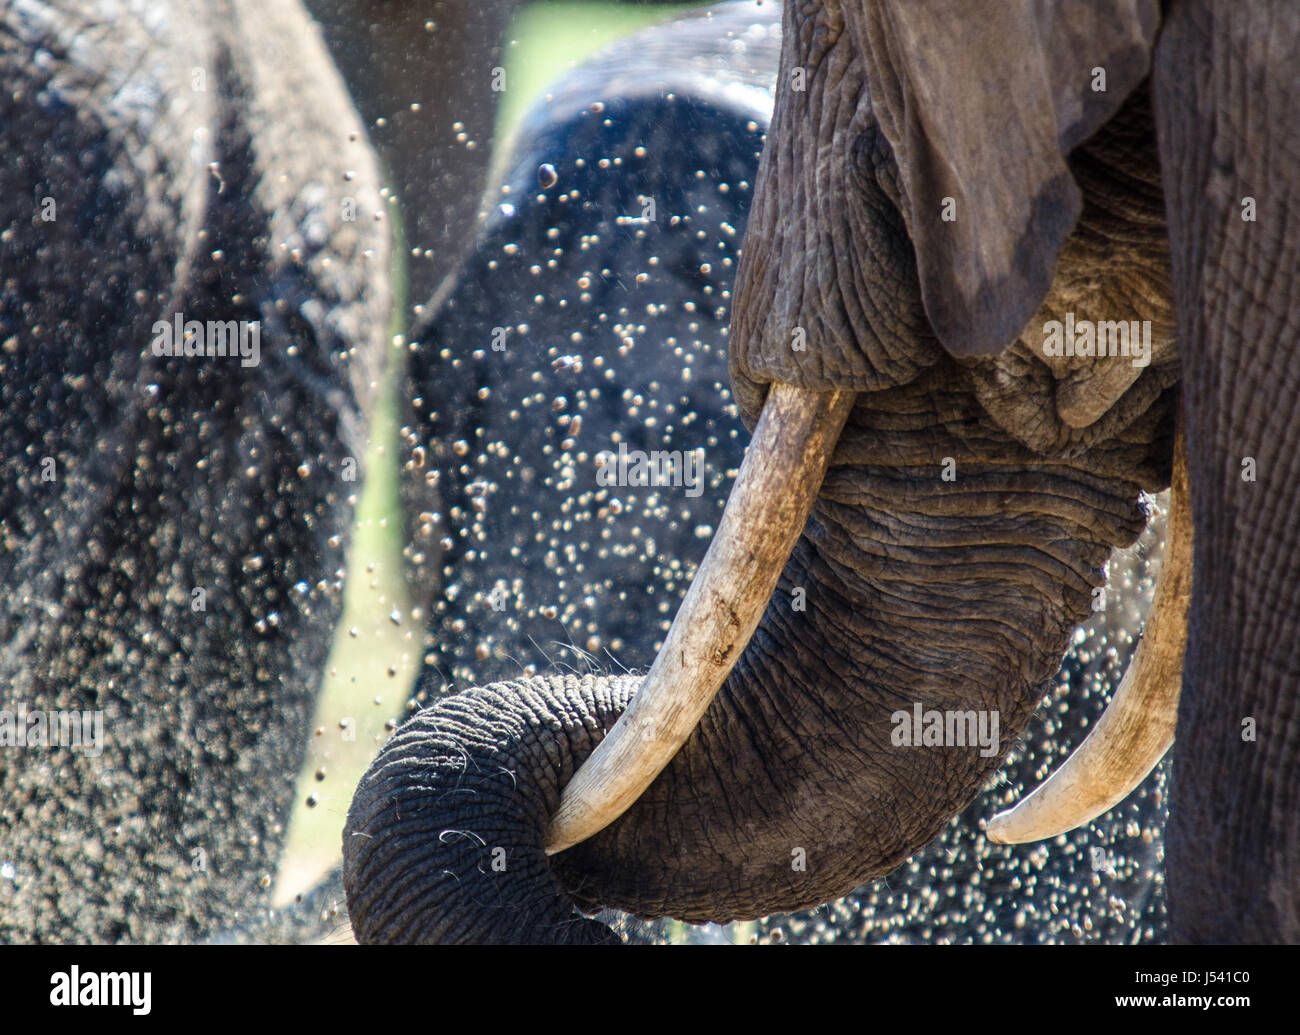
774	492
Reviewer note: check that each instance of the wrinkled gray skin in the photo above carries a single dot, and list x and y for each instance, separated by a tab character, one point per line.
1007	893
956	594
186	176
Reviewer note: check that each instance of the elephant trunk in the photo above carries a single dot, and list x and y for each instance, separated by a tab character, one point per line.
497	756
903	651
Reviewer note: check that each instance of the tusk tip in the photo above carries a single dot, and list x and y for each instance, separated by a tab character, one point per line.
999	829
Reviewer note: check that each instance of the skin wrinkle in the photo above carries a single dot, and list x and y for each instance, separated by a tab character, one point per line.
771	762
389	883
1121	232
981	564
409	889
946	527
905	563
902	663
839	294
947	533
817	207
878	229
774	723
693	818
834	492
895	578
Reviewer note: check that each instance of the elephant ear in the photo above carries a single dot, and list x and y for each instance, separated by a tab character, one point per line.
980	111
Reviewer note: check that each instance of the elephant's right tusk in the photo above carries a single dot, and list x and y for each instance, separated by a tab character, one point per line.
769	504
1137	727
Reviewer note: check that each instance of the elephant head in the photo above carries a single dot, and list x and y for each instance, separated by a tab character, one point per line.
922	519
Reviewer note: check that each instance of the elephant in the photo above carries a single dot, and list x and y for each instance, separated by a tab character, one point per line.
183	424
931	494
428	79
664	130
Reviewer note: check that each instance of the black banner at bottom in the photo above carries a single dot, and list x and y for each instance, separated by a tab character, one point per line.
232	984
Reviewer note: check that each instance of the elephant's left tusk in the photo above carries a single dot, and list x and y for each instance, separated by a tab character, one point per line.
769	504
1137	727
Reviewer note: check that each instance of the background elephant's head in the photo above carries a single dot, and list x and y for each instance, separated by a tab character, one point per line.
962	527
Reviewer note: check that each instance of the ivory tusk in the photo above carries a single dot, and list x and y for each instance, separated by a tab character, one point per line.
774	491
1137	727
